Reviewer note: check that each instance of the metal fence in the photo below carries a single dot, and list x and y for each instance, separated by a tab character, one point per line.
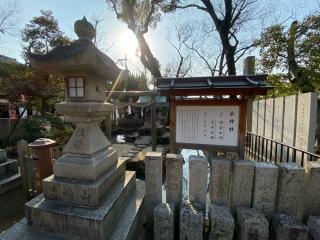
262	149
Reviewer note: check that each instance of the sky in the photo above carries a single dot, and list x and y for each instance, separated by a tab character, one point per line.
116	40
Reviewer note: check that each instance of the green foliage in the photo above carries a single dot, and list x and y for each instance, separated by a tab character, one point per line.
282	87
48	126
294	52
43	34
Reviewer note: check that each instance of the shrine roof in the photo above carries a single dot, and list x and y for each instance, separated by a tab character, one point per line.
219	85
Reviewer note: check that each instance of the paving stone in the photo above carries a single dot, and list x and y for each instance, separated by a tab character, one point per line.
191	222
286	227
265	187
198	181
221	223
164	222
251	224
290	188
220	181
314	227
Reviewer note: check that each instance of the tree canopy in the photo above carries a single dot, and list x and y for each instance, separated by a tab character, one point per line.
43	34
294	52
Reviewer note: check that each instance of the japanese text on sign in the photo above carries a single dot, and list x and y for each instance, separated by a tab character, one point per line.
209	125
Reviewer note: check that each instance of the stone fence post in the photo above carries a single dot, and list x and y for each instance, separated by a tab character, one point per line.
198	177
153	181
25	164
174	165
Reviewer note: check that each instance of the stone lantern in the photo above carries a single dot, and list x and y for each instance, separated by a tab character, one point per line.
90	194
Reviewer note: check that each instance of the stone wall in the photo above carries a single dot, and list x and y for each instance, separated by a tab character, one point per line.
291	120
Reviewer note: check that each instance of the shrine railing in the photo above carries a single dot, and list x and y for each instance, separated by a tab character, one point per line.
263	149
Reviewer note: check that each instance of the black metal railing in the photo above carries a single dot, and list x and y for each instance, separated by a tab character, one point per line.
263	149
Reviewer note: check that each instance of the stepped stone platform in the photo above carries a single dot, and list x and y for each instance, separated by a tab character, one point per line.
127	227
10	177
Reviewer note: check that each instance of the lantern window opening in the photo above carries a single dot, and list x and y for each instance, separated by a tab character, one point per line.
76	86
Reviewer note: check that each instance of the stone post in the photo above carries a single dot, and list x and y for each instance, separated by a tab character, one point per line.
191	222
311	198
251	225
164	222
198	177
241	184
290	187
220	181
314	227
286	227
153	181
174	165
22	146
249	67
221	223
265	187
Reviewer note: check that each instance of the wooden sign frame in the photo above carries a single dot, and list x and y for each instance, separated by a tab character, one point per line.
242	103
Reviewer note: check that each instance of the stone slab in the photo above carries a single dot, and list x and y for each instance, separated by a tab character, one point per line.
81	192
8	168
290	188
76	222
221	223
306	121
198	181
241	184
265	187
255	117
85	167
191	222
251	224
314	227
164	222
268	123
153	180
311	200
220	181
131	220
289	128
10	183
278	125
261	117
286	227
174	176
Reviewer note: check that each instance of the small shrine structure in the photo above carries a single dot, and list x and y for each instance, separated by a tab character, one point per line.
90	194
210	112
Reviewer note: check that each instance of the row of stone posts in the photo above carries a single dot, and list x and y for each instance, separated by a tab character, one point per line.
244	196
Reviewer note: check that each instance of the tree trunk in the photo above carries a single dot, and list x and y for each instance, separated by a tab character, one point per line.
147	58
230	50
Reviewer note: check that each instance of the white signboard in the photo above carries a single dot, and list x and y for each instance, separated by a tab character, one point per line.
209	125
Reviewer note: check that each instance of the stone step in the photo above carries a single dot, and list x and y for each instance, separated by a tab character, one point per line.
76	222
80	192
8	168
10	183
130	223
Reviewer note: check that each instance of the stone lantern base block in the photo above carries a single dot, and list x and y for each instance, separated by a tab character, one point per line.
83	193
84	223
128	227
85	167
